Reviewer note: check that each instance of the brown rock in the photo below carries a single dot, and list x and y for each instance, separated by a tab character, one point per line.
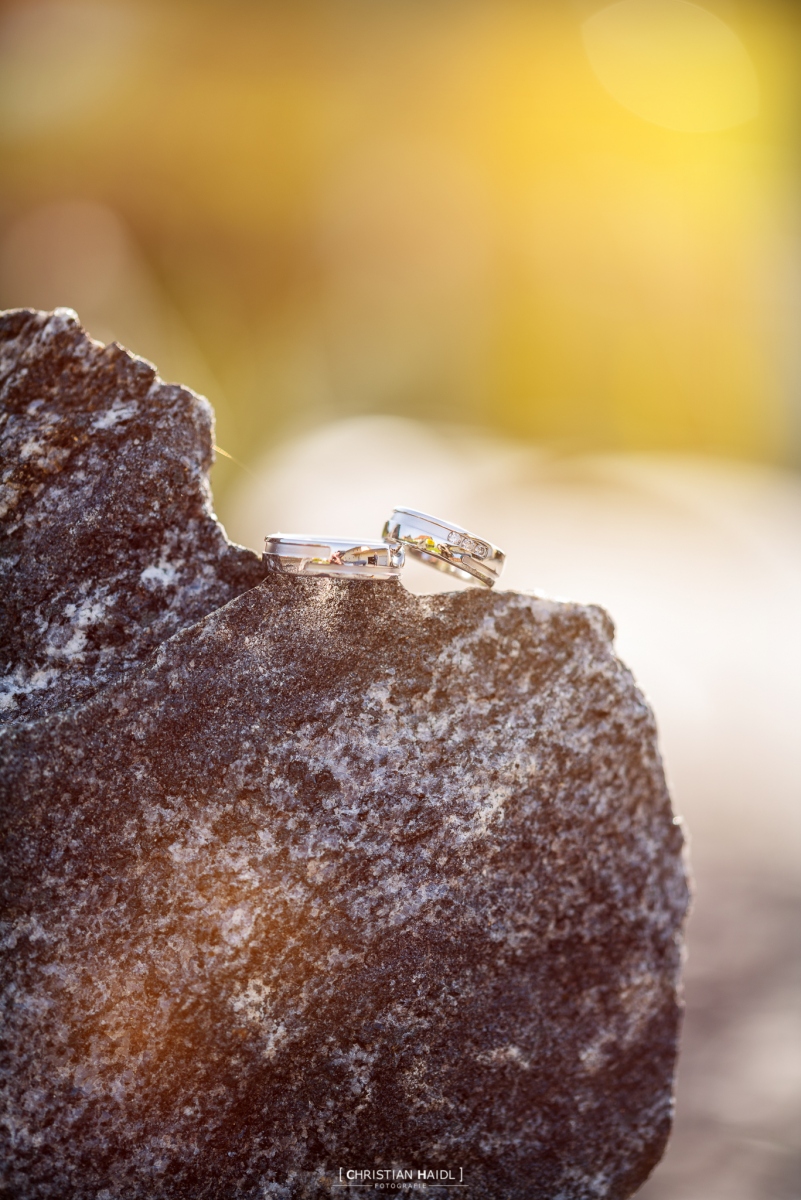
327	876
108	542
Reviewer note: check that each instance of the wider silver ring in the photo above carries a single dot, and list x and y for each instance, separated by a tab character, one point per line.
341	558
445	546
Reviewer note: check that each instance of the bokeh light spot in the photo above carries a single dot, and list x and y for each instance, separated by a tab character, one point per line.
60	60
672	63
68	250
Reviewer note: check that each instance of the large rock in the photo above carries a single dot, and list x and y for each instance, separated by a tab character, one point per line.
314	876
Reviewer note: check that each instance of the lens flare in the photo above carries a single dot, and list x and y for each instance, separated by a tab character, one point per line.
672	63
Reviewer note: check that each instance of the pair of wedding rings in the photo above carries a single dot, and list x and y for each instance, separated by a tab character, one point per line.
440	544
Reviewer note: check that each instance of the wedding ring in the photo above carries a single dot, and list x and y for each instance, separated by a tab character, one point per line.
445	546
343	558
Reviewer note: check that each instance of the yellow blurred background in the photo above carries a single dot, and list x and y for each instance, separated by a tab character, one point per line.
537	267
570	222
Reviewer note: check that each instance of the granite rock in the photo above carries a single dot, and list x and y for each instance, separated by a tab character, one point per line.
108	542
309	875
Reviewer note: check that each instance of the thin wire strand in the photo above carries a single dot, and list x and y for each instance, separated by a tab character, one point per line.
225	454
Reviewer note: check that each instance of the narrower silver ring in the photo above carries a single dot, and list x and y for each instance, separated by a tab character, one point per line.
445	546
342	558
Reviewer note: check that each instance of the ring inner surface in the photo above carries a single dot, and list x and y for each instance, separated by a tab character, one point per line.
333	556
442	563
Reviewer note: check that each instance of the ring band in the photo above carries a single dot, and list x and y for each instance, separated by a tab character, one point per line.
343	558
445	546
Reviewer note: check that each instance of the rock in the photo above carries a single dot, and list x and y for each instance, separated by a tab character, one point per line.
311	875
109	544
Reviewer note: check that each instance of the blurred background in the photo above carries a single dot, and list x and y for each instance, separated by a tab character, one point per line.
537	267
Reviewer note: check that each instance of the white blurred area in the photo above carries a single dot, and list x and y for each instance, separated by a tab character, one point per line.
698	562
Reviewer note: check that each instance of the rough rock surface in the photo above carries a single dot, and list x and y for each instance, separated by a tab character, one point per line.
312	876
108	541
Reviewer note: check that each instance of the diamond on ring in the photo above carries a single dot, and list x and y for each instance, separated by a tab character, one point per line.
446	546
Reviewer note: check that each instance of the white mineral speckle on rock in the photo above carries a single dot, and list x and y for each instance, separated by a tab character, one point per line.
237	925
162	575
8	498
114	415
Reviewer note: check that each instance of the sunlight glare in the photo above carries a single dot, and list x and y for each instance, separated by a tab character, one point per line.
673	64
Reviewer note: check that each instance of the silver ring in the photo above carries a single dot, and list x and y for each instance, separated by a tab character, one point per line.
445	546
342	558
